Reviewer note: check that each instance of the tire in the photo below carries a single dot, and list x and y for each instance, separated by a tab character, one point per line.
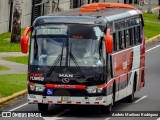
108	109
42	107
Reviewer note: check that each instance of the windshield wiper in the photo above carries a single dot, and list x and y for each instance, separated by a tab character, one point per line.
59	58
74	60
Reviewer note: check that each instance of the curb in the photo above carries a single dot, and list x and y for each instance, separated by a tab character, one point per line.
153	39
154	9
15	95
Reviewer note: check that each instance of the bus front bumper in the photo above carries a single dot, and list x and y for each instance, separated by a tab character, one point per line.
99	100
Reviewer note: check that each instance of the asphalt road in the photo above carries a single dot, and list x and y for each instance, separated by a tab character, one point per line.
148	99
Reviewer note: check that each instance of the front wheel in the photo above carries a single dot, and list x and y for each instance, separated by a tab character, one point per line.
42	107
108	109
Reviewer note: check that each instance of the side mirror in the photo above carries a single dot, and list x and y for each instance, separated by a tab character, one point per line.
24	40
108	41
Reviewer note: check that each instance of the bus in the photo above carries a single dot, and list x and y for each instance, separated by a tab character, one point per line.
93	55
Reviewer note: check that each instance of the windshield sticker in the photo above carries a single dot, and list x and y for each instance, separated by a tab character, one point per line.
54	31
37	77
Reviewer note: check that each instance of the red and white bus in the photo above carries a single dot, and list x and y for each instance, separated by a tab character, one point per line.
93	55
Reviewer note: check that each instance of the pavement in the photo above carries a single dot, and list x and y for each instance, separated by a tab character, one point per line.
15	68
154	4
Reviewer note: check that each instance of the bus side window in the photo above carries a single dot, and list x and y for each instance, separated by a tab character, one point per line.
139	35
127	36
121	40
136	35
117	40
131	31
114	42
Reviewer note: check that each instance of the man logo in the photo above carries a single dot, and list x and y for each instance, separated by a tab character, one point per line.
66	75
65	80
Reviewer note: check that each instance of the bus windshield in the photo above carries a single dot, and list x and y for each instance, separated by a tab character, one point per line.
67	45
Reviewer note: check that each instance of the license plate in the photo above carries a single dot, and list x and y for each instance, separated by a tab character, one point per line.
66	99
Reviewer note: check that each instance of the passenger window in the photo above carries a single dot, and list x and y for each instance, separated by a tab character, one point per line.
117	40
135	36
121	40
131	30
114	42
127	35
139	35
117	26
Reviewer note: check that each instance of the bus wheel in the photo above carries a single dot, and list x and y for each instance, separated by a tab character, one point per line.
107	109
42	107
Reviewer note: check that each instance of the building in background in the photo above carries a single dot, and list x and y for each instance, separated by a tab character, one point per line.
6	14
42	7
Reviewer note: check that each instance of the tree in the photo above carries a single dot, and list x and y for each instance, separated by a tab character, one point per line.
149	7
16	27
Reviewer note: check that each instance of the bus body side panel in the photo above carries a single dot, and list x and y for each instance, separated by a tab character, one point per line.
136	57
125	65
131	80
123	86
117	80
122	62
142	66
141	78
138	63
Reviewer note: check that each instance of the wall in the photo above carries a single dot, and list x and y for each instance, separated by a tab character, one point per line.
53	6
5	14
26	13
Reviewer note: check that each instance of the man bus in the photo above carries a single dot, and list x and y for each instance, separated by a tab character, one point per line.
94	55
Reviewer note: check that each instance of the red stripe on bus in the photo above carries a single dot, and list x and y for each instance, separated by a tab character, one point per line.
35	100
69	102
78	102
59	102
50	102
96	102
65	86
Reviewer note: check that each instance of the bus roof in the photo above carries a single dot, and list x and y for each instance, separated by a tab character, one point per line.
104	15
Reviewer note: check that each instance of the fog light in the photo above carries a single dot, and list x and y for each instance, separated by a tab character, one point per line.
32	88
91	89
95	89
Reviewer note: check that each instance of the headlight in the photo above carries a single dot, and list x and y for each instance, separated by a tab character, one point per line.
94	89
99	90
